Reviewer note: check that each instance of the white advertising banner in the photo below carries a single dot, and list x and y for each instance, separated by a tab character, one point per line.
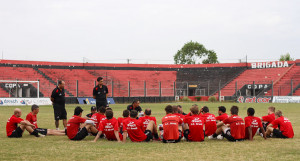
286	99
24	101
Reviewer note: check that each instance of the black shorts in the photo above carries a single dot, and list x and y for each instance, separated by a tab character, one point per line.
278	134
149	135
173	141
228	136
81	134
42	131
60	113
17	133
103	103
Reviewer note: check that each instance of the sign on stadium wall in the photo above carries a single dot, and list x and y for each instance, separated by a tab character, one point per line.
251	99
89	100
24	101
275	64
286	99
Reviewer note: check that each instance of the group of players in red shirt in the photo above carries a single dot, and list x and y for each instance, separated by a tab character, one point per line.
194	126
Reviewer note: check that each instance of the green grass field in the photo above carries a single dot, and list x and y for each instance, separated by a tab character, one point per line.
60	148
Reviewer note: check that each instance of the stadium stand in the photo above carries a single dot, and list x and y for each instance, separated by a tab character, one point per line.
208	77
260	76
280	86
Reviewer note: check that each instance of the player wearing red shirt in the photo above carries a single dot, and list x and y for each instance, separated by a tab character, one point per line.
222	115
252	124
77	127
99	116
210	121
133	127
147	118
236	129
122	119
269	118
109	127
15	131
284	124
32	118
172	126
193	126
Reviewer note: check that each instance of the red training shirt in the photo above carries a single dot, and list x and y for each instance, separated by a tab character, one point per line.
170	124
134	129
12	124
222	117
254	122
285	126
108	127
196	124
210	123
73	126
32	119
145	120
237	126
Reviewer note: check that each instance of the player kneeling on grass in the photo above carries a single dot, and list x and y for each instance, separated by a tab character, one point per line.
15	131
109	127
284	124
133	127
236	129
172	126
32	118
252	124
193	126
78	128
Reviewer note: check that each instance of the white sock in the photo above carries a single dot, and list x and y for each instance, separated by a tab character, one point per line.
57	128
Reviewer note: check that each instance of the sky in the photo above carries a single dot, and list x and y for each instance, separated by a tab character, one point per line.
147	31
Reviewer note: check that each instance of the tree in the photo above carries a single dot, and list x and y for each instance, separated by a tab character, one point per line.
192	52
286	57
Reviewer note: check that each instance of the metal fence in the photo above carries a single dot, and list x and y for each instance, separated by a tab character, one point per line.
156	88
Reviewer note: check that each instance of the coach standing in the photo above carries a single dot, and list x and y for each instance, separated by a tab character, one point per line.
58	100
100	93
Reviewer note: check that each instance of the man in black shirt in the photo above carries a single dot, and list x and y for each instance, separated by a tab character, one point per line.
135	106
100	93
58	100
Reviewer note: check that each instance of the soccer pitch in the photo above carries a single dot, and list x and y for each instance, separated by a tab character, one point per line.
61	148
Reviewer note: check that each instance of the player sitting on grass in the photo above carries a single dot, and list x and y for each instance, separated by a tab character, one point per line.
210	122
266	120
236	129
109	127
15	131
133	127
222	114
99	116
78	128
252	124
122	119
193	126
32	118
172	126
284	124
147	118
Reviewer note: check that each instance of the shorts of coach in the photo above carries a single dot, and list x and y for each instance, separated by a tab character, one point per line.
60	112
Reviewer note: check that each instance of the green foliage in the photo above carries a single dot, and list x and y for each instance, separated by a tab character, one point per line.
212	99
286	57
191	52
186	99
198	98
